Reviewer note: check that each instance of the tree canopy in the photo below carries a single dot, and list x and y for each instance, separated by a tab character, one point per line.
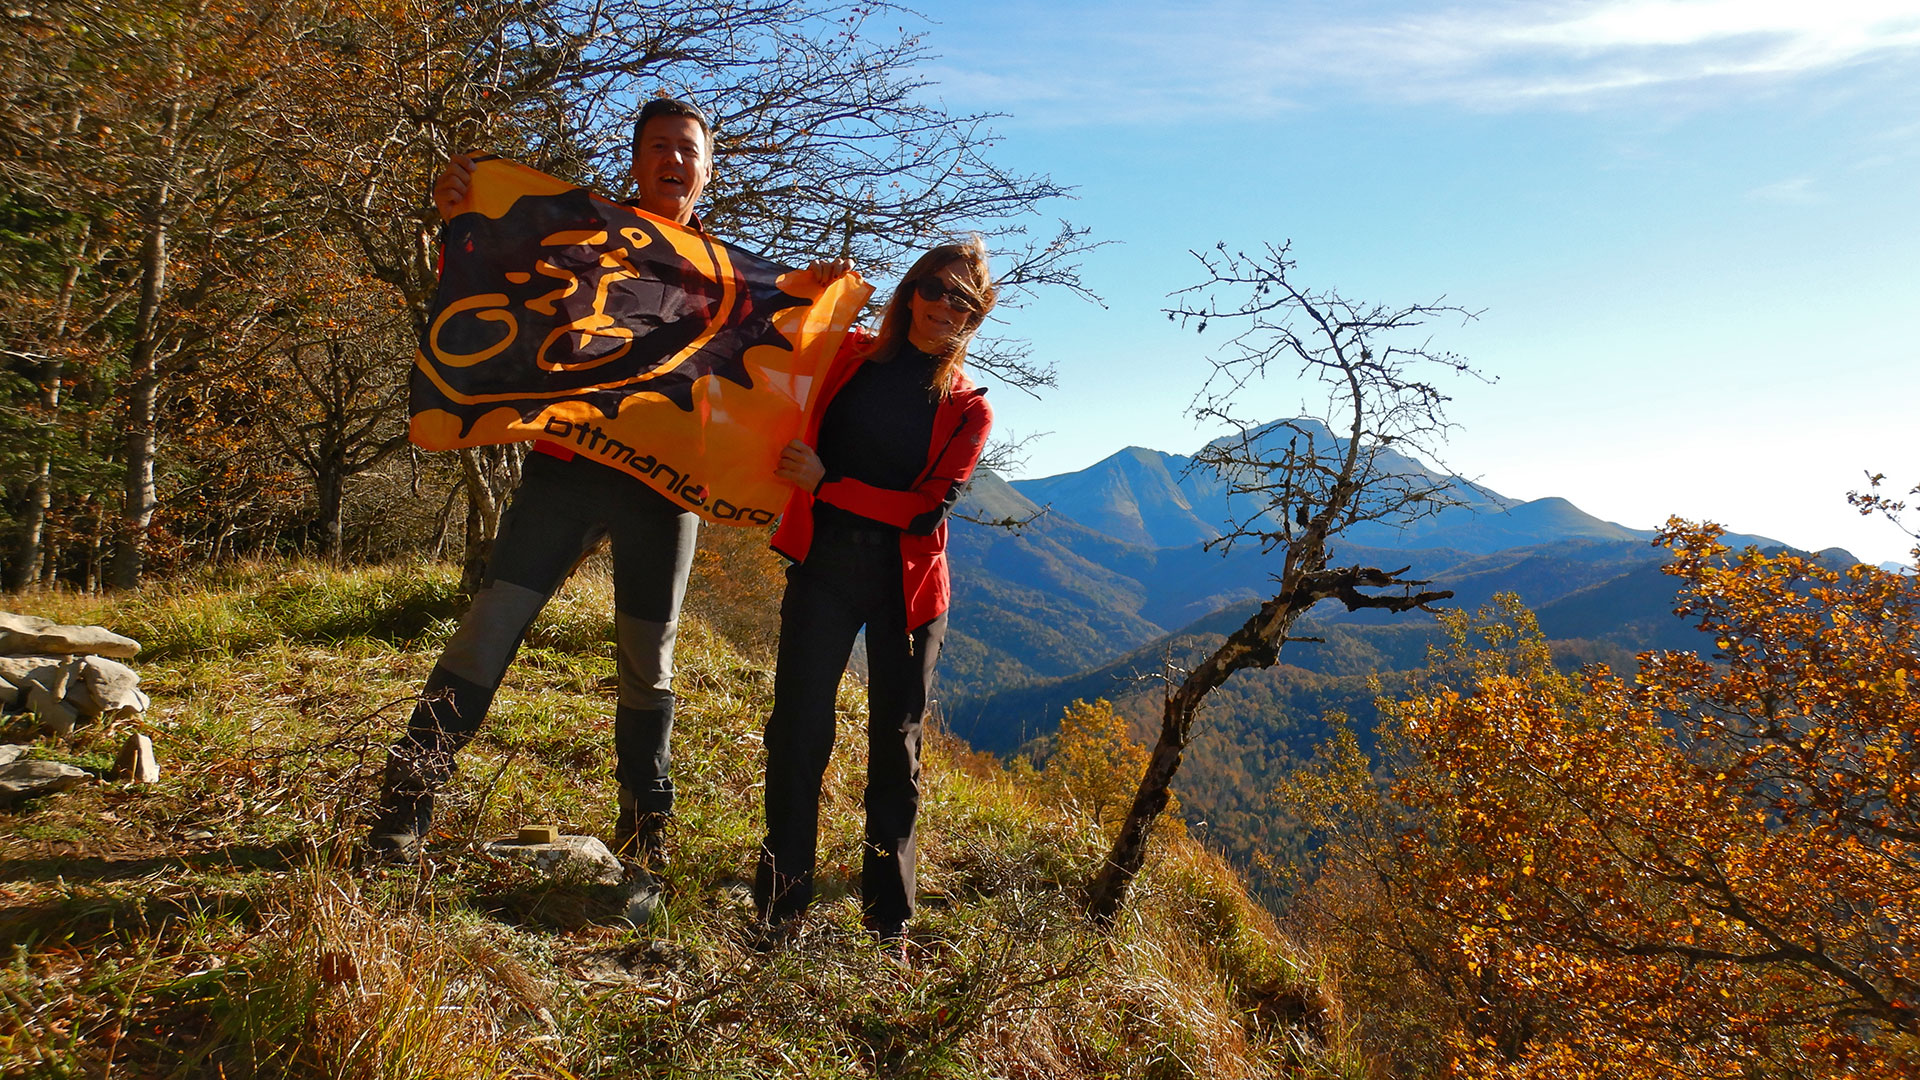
220	248
1710	868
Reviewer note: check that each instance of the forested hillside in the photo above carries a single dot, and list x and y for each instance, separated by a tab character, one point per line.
1055	611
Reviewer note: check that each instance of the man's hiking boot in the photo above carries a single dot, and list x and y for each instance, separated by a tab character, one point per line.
405	815
640	836
395	847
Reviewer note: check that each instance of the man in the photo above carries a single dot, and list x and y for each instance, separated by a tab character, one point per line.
565	505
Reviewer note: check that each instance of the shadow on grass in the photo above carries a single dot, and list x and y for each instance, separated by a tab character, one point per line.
561	908
94	869
80	919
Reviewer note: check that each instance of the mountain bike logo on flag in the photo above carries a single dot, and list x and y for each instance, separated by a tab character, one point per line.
652	348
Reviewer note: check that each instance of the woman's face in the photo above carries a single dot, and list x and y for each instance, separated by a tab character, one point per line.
937	322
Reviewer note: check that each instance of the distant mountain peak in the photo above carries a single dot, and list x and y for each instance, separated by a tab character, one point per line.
990	498
1149	497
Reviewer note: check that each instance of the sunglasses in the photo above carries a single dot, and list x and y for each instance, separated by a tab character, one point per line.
935	290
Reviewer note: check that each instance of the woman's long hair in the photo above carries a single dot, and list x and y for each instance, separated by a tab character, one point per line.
971	257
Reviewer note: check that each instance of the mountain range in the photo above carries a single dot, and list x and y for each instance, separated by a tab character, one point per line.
1115	555
1110	583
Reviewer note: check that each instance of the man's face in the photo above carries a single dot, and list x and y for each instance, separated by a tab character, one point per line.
671	166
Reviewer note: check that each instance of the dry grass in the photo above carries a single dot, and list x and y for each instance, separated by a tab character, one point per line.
210	925
338	985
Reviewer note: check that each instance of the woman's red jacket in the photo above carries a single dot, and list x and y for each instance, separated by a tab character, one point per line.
960	425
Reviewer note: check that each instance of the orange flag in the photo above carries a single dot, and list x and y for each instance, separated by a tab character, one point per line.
642	344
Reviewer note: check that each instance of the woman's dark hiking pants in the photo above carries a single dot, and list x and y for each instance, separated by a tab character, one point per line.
850	579
560	511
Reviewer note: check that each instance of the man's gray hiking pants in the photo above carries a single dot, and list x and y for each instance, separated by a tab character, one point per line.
560	511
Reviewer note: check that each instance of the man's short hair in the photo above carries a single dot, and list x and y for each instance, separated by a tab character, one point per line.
666	106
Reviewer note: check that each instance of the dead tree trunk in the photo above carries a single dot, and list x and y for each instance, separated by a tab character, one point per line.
1255	645
1333	472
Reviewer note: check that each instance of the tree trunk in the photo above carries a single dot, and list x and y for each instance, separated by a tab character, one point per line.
1244	648
33	530
330	489
92	576
1256	644
33	524
1129	851
140	501
483	520
136	512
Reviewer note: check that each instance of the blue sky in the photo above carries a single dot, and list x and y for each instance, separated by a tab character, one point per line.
1694	227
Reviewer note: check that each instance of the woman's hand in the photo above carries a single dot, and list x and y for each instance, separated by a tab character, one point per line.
827	271
452	186
800	466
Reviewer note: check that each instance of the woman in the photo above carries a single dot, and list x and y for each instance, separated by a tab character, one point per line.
882	462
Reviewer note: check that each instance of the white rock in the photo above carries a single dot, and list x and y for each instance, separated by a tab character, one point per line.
573	859
15	668
106	688
13	677
31	634
27	779
59	716
89	686
54	673
136	761
9	753
642	897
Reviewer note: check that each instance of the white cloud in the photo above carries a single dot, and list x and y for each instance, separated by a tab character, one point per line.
1250	56
1836	29
1797	191
1578	50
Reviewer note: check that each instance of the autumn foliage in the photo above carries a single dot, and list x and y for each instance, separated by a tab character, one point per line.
218	250
1709	870
1096	765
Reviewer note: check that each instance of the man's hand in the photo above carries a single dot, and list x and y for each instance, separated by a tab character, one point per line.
826	271
800	466
451	188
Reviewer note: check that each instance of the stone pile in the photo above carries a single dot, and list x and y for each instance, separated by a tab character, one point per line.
66	676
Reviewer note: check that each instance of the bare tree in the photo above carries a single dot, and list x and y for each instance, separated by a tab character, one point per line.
1885	503
349	414
1298	485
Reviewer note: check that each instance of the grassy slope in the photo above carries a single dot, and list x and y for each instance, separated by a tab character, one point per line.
209	925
